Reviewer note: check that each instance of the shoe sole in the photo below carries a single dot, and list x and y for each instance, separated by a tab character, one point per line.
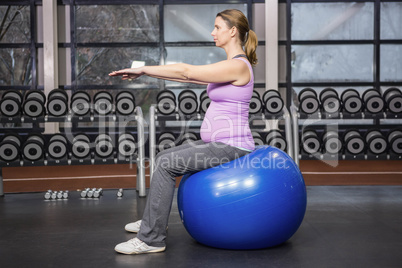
145	252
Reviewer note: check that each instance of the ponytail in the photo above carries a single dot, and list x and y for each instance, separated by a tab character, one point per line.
250	47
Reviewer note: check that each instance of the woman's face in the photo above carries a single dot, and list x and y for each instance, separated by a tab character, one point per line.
221	32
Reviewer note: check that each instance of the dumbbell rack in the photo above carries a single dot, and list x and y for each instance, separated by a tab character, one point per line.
139	158
178	117
316	122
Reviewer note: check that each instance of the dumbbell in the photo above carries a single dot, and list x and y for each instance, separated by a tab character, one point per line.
376	142
80	103
10	148
166	140
57	147
274	138
80	147
34	103
57	102
393	98
188	137
187	102
310	142
33	147
308	101
395	141
103	145
255	103
125	103
273	102
353	142
373	101
329	100
351	101
332	144
10	104
166	102
205	101
126	145
257	138
103	103
120	193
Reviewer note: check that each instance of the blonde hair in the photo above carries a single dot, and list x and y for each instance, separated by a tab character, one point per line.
248	37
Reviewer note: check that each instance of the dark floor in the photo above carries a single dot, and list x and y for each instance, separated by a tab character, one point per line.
359	226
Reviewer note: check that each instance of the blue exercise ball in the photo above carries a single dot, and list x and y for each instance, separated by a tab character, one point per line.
256	201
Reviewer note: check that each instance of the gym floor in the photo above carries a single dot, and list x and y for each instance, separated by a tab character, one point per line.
344	226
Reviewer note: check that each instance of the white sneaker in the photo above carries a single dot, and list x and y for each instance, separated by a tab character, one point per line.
133	227
136	246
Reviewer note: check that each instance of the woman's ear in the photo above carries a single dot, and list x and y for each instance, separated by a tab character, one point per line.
233	31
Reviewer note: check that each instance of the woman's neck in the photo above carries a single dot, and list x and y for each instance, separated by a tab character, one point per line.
233	51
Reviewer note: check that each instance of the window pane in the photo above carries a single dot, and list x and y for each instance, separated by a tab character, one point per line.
15	66
282	64
193	22
391	63
282	22
117	23
94	64
16	24
259	21
332	21
259	69
332	63
391	20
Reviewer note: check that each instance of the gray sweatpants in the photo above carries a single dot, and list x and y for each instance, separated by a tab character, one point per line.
171	163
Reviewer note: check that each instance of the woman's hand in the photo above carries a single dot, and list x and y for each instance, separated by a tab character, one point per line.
125	74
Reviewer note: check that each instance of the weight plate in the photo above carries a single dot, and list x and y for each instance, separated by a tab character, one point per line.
57	106
57	149
81	137
33	150
309	105
164	144
391	92
255	105
328	92
370	93
36	137
187	93
10	107
307	92
273	105
103	106
127	148
270	93
372	133
278	142
103	95
396	145
80	149
58	137
333	145
166	106
33	107
352	104
12	137
126	136
188	105
36	94
204	104
374	104
103	137
355	145
349	92
377	145
125	106
80	107
82	95
13	94
395	104
165	93
124	94
9	151
203	95
104	148
58	93
331	104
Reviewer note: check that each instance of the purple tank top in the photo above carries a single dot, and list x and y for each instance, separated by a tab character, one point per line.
226	119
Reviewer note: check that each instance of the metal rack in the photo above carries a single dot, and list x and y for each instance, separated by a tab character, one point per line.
139	158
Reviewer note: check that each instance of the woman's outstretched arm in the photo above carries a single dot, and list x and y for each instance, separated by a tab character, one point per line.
233	71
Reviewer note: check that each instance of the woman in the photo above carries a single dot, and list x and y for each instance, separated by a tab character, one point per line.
225	131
